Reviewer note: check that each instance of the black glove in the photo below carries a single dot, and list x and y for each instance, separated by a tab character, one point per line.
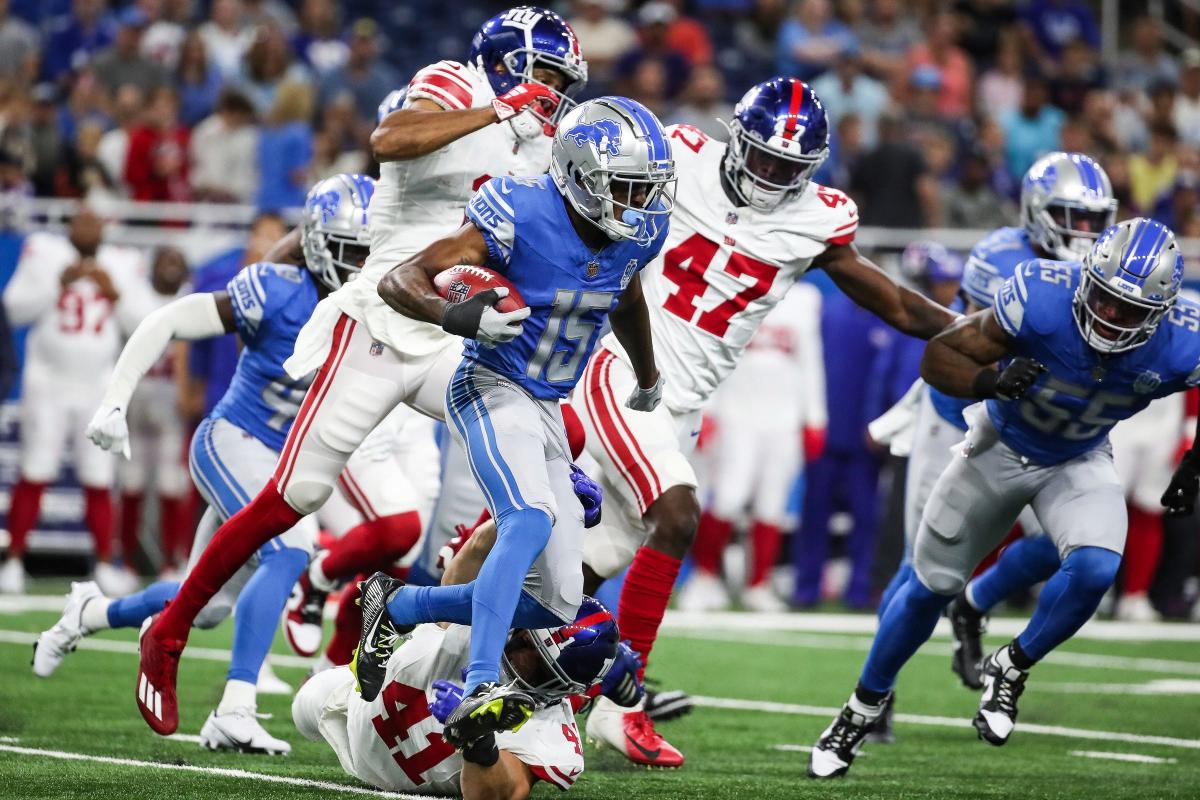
1010	383
462	319
483	751
1180	497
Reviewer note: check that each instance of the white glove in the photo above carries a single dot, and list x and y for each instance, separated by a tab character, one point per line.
646	399
109	431
497	327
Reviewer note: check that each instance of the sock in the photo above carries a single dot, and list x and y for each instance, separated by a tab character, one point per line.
374	544
909	622
1069	599
520	538
1024	563
903	573
320	580
347	625
644	599
1143	547
712	535
266	516
131	521
764	547
866	702
174	519
94	614
259	606
1012	656
238	694
413	605
98	516
23	509
131	611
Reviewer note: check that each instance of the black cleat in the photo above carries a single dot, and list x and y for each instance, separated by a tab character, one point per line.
882	732
491	708
967	626
997	714
379	635
840	743
665	706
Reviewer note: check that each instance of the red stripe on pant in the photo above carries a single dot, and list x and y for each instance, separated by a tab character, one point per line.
642	480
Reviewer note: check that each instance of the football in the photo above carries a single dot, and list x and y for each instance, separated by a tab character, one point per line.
458	283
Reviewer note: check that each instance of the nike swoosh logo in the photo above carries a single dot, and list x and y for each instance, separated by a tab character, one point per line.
650	754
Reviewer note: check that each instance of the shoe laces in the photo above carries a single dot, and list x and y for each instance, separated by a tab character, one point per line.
640	724
846	732
387	636
1006	692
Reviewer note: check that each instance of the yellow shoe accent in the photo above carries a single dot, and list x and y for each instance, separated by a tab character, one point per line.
353	665
495	708
526	714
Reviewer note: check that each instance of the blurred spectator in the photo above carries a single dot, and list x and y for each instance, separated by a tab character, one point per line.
1145	62
971	202
891	181
224	152
1079	73
268	64
113	149
939	50
199	80
1075	137
14	185
319	43
225	36
1161	110
338	144
845	89
82	173
157	165
811	40
648	84
285	149
72	40
602	34
18	46
924	120
1098	117
756	33
164	31
846	147
1187	101
1031	130
364	76
685	34
16	132
123	63
46	140
886	36
1051	24
652	46
704	103
87	101
270	12
1152	172
984	25
1179	208
998	90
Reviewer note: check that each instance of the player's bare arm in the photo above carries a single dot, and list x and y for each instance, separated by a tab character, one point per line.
870	287
423	127
408	288
631	325
960	361
508	779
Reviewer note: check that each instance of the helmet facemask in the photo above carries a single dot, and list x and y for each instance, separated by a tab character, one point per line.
1068	230
530	664
332	256
631	205
764	177
1114	319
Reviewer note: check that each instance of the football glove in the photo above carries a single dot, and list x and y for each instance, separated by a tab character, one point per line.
621	683
521	97
590	495
1011	382
646	399
447	697
476	318
1180	497
109	431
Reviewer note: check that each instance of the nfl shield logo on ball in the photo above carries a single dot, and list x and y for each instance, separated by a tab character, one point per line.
1147	382
458	292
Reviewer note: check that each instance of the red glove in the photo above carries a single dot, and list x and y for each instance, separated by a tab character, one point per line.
521	97
814	443
463	533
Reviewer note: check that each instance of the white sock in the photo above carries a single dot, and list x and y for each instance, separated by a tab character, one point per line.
970	595
321	664
94	616
859	707
238	694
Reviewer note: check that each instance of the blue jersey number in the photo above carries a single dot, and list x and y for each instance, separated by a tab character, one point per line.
564	343
1044	410
284	398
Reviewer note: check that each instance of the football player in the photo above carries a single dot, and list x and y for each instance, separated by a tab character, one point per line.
748	222
1080	347
459	125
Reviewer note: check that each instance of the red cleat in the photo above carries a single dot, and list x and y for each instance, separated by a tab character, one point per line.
155	688
631	732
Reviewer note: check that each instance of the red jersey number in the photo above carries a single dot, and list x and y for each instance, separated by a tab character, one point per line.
572	735
405	707
686	265
831	197
691	136
77	311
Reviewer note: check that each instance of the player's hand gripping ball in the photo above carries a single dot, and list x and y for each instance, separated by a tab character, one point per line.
484	305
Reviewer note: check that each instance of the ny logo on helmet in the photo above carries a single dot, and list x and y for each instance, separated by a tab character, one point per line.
522	18
604	134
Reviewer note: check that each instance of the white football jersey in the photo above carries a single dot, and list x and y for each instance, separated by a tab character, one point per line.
724	267
419	201
76	332
395	743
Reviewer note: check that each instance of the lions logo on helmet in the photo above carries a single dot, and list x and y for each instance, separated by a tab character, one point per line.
334	235
604	135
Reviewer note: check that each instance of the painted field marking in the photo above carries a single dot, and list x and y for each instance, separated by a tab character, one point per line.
1135	758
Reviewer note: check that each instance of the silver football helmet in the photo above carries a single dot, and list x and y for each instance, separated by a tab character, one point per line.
1130	279
612	162
1066	201
334	227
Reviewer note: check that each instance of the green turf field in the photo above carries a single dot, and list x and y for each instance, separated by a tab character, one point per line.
1135	698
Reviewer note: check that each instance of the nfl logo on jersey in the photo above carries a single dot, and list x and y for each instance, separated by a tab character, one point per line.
376	349
593	269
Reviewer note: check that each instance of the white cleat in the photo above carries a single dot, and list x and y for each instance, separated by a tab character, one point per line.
53	645
762	599
12	576
1136	608
703	592
630	732
840	743
997	715
240	730
270	683
115	581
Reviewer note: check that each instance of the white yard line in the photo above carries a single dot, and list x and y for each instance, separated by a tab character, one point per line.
110	646
190	738
1136	758
218	771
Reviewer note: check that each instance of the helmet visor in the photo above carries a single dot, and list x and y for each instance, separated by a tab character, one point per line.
1085	223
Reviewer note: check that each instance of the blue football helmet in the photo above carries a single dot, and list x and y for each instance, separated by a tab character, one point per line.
569	660
778	137
926	262
1130	279
522	39
393	101
333	225
1066	201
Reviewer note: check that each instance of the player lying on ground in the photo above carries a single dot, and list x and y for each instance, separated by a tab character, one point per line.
459	123
1080	348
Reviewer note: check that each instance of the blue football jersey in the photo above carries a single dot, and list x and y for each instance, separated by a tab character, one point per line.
1072	407
569	288
993	260
271	303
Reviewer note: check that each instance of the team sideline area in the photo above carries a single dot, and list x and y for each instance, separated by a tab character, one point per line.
1112	714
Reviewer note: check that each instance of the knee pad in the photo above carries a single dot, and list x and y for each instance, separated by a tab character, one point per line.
1092	569
940	580
213	614
306	497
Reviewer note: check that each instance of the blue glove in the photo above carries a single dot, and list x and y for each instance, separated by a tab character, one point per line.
621	683
447	697
590	496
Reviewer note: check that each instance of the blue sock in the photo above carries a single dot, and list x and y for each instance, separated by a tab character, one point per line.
911	617
1024	563
1069	599
256	615
903	572
413	605
520	538
133	610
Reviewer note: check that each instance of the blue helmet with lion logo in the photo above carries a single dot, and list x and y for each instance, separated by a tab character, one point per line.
334	227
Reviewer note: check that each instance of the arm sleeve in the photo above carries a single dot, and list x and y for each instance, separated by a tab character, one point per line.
34	286
191	317
491	211
445	83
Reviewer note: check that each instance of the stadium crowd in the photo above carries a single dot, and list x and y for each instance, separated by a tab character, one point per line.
938	110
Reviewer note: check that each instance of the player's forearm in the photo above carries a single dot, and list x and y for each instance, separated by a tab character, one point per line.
507	779
408	290
631	325
192	317
953	372
922	317
412	132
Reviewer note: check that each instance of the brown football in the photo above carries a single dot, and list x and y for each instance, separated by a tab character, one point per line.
458	283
